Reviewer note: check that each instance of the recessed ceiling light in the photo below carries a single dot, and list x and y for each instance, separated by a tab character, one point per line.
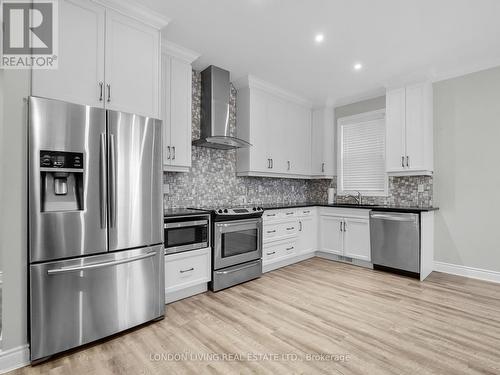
319	38
358	66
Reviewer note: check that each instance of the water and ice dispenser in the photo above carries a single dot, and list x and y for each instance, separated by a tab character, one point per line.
61	181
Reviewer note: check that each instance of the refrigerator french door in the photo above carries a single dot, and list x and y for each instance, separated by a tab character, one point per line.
95	224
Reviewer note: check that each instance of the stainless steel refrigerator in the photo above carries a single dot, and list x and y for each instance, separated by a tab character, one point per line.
95	224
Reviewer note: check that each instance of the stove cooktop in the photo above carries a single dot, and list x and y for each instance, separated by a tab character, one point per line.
234	211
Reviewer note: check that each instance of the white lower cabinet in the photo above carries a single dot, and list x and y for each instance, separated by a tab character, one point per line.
307	241
331	238
345	232
357	238
187	273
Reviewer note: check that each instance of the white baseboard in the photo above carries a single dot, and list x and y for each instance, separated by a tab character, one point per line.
184	293
286	262
474	273
14	358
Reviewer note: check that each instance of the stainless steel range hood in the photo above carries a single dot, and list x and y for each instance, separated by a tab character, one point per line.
215	90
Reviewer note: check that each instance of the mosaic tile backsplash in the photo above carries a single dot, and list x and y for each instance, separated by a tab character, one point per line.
212	180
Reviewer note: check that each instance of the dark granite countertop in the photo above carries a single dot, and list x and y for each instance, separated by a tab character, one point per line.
172	212
344	205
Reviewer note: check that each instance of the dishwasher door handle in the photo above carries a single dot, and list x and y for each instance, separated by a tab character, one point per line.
405	218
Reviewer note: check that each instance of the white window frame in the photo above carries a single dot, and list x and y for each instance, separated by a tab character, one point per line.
362	117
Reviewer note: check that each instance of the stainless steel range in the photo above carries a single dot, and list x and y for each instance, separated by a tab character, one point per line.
237	245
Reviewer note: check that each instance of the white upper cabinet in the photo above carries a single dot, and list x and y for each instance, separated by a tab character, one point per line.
176	106
107	58
409	147
79	77
278	125
132	65
323	143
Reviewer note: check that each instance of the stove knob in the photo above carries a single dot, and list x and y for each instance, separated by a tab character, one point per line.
225	210
255	208
220	211
259	208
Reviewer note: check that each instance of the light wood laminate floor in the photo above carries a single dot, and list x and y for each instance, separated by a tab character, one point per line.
383	323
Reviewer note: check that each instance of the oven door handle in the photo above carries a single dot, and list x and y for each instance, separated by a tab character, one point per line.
184	224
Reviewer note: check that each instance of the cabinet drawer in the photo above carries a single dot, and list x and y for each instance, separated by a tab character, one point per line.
271	231
271	252
186	269
288	214
306	211
289	229
289	249
271	215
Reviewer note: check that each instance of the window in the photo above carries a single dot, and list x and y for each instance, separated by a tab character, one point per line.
361	148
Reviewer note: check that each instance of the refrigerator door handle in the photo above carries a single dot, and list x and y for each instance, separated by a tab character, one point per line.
100	265
112	181
102	179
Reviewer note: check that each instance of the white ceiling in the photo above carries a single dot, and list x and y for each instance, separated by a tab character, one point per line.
394	39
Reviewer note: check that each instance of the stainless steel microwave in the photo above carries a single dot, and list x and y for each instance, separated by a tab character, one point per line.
186	233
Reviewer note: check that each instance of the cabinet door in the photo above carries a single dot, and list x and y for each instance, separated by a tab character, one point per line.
415	127
357	239
308	235
259	132
277	131
395	130
132	65
331	240
81	56
180	113
317	166
166	84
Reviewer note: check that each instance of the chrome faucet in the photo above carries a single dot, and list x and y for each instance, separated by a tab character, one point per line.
358	198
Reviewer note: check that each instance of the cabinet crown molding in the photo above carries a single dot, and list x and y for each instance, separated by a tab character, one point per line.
137	11
177	51
254	82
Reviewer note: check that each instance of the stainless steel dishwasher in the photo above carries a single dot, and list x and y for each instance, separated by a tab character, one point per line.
395	241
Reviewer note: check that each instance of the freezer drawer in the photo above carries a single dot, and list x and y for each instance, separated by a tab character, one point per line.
77	301
395	240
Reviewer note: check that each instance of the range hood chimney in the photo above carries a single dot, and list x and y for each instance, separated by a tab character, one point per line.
215	91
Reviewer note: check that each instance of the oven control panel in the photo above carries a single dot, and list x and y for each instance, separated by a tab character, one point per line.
238	210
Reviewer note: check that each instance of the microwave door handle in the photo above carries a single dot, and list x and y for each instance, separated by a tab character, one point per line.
184	224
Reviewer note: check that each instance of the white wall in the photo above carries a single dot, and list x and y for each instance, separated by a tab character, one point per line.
13	206
467	170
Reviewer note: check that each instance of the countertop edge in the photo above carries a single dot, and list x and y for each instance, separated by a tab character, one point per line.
372	208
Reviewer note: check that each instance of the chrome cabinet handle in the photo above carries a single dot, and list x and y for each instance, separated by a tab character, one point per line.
322	167
109	92
341	226
306	212
288	162
269	215
101	88
291	228
407	161
345	226
272	163
403	161
168	153
173	152
112	185
274	252
268	163
271	231
289	248
102	177
300	226
289	213
188	270
99	265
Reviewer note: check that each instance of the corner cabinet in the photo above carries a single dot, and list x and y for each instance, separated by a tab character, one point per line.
109	57
176	92
278	125
323	143
409	127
